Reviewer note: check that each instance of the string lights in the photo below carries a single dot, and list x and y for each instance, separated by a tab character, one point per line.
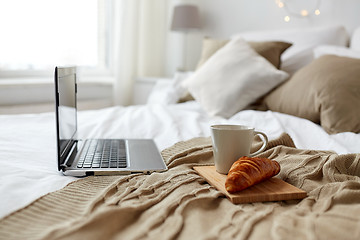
302	13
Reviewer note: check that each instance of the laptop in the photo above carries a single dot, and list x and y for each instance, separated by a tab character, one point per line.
78	157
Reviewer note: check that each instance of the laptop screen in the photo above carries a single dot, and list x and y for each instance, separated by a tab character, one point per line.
65	87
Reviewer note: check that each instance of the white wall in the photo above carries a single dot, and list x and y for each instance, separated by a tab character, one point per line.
224	18
220	19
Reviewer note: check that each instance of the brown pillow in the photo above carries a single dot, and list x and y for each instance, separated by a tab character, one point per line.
327	91
269	50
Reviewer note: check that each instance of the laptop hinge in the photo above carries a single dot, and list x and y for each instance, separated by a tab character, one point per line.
70	157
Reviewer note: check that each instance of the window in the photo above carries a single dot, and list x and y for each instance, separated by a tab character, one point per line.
37	35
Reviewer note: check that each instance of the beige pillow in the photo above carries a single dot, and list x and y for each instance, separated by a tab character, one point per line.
271	51
327	91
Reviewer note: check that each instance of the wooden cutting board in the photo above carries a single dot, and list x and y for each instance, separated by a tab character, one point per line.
273	189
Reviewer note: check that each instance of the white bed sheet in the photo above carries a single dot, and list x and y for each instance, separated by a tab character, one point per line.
27	142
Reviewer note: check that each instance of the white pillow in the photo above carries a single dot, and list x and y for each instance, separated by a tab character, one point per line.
303	40
355	40
179	78
335	50
163	93
232	78
167	91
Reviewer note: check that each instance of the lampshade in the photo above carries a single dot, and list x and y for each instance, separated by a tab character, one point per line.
185	18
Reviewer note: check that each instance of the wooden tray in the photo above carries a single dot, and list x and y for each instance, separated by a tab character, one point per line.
273	189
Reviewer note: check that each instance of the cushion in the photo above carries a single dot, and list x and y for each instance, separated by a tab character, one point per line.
303	40
232	78
335	50
327	92
271	51
355	39
163	92
209	47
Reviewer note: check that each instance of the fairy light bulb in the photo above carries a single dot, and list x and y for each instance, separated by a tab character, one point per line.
304	12
298	14
279	3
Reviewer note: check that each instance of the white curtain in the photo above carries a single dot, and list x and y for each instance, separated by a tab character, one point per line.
140	38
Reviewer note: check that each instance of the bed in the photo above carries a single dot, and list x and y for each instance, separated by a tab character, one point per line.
317	145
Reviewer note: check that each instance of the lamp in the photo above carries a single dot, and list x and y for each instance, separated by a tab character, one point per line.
185	19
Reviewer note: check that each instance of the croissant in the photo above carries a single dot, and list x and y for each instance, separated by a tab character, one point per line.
248	171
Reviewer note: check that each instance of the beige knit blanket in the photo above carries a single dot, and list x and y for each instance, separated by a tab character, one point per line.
179	204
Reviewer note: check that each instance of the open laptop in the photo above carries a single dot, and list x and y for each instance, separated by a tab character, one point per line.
95	156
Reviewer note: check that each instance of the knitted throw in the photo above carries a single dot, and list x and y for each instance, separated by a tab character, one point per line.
179	204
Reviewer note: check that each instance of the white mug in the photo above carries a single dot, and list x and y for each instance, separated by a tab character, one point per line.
230	142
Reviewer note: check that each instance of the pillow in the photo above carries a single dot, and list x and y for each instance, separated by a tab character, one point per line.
209	47
327	91
232	78
168	91
163	92
355	40
303	40
271	51
335	50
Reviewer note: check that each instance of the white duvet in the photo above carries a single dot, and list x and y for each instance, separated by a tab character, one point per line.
27	142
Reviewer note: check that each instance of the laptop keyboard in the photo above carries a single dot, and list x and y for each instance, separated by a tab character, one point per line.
103	153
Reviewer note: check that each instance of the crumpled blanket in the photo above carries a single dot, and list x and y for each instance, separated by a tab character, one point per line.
180	204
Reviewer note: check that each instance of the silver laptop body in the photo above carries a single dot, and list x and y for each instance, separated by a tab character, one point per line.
75	157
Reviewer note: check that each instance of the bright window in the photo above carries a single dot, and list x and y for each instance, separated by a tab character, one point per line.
37	35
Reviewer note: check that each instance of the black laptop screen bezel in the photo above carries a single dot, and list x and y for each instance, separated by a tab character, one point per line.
63	149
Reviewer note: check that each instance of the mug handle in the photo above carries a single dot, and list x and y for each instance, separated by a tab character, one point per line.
265	142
